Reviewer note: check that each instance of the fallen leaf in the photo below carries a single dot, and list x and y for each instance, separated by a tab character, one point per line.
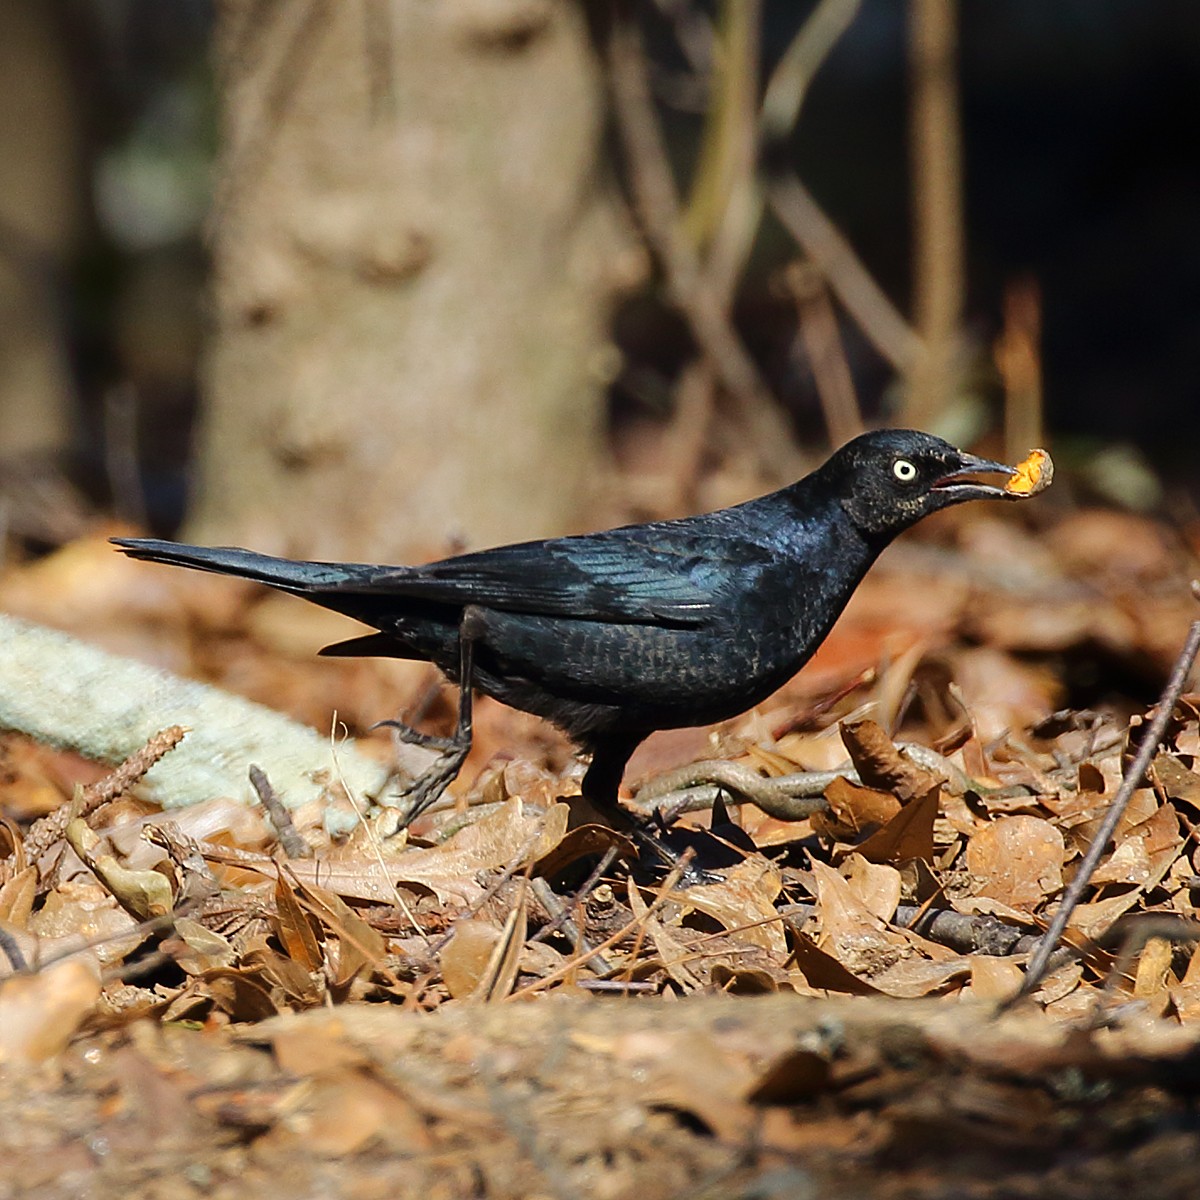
994	978
878	887
40	1013
467	955
822	971
743	902
881	765
909	834
1017	860
144	894
853	811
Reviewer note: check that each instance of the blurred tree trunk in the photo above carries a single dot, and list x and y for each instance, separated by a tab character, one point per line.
415	253
39	213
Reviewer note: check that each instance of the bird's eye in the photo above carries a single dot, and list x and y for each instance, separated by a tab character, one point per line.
904	470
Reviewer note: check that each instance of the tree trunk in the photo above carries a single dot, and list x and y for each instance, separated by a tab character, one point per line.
39	212
415	252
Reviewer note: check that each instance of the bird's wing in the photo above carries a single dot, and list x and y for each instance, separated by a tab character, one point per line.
616	577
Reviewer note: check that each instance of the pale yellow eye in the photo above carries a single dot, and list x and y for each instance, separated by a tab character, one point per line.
904	470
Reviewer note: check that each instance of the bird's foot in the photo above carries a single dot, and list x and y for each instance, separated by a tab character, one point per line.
414	737
650	835
428	787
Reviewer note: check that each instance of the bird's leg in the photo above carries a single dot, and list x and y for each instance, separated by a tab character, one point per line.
602	782
455	748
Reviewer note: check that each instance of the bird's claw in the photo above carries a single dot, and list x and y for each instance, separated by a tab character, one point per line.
428	787
414	737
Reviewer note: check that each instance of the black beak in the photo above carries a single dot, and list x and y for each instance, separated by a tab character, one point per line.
956	484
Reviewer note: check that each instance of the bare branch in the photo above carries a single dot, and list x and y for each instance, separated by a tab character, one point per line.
1133	778
658	206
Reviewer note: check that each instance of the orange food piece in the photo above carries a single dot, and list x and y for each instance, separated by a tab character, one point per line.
1033	475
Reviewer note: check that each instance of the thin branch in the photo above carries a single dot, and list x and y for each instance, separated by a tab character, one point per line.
52	827
663	894
800	63
724	207
826	355
1133	778
561	918
657	202
937	206
292	844
849	280
787	797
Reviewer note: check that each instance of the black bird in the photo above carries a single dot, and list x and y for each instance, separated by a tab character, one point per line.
613	635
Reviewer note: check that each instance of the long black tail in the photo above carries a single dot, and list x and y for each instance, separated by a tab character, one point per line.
287	574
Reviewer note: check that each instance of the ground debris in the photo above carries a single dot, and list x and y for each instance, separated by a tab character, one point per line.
852	881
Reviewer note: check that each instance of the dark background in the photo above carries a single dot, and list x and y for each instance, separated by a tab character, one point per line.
1081	174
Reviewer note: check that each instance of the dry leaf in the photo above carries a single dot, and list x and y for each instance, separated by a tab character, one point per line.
144	894
671	952
294	929
853	811
881	765
877	887
743	903
849	930
40	1013
17	896
994	978
908	835
1017	861
822	971
467	954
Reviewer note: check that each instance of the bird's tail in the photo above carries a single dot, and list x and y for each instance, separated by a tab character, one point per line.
282	573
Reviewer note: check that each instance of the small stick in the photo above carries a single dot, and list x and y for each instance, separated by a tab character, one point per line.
52	827
664	894
292	844
1146	752
788	797
561	917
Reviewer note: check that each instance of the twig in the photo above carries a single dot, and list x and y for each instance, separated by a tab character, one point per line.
810	48
788	797
519	862
966	933
1133	778
657	202
663	895
368	829
561	918
826	355
724	208
693	32
52	827
292	844
937	206
850	281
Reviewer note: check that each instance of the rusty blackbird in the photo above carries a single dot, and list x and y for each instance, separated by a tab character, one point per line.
614	635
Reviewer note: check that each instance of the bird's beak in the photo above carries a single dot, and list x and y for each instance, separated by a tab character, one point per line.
956	484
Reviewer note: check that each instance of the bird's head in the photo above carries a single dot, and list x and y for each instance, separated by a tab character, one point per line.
889	479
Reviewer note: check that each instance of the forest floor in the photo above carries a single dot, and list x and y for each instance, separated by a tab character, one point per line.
793	1003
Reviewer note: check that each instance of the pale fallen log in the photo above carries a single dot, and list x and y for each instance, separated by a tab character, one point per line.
69	694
